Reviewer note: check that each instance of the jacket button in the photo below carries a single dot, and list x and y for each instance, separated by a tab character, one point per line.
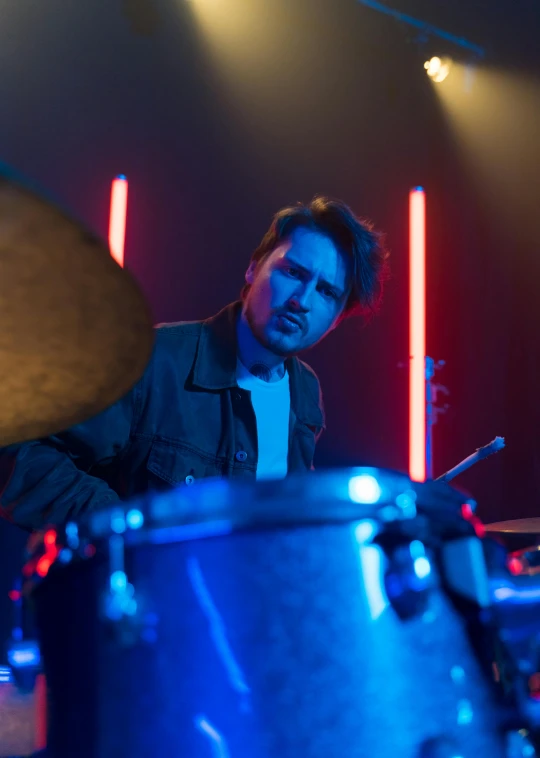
241	455
189	479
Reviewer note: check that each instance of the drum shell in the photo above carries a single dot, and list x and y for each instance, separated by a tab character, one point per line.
274	643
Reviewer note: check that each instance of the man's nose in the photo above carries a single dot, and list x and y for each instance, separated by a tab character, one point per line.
301	299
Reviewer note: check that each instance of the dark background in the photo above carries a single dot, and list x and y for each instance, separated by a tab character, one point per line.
222	111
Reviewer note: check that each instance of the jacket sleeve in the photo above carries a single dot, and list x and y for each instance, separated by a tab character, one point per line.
46	481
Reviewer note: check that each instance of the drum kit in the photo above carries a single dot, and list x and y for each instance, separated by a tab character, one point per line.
344	613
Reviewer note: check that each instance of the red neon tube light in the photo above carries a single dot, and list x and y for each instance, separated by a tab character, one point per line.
417	334
117	219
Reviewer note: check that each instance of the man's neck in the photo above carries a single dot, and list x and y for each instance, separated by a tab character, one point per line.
257	359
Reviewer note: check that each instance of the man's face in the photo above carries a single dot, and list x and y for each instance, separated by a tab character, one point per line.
297	292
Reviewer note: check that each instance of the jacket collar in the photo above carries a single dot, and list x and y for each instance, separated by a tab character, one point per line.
215	365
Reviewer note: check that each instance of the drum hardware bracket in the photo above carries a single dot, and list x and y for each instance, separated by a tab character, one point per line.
23	654
121	605
515	631
465	570
432	410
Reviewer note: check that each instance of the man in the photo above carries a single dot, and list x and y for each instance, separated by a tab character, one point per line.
222	397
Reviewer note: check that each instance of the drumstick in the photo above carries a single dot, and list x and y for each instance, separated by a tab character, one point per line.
481	453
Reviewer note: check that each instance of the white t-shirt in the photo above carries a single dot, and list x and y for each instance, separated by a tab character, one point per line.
271	402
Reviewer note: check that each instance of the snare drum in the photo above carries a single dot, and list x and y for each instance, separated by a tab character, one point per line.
305	618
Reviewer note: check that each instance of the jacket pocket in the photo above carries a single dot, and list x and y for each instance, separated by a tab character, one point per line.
172	463
302	449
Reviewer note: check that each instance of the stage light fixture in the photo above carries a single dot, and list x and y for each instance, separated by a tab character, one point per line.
438	68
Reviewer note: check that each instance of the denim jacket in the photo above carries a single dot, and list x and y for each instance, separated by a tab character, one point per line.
184	420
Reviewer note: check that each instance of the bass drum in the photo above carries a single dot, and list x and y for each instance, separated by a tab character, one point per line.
306	618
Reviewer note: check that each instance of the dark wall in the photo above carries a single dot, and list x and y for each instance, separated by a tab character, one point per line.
218	124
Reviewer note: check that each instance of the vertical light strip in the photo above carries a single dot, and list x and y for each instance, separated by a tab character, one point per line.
117	219
417	334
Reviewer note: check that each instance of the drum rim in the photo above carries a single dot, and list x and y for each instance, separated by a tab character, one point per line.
321	497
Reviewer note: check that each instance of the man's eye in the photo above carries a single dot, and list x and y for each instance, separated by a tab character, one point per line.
328	293
292	271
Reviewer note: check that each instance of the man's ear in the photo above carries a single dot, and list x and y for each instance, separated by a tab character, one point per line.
250	273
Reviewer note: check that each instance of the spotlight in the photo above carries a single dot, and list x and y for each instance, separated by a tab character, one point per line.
438	68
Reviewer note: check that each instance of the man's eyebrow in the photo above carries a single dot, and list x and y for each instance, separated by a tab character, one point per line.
339	293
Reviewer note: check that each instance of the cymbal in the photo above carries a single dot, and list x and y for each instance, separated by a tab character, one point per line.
516	526
75	330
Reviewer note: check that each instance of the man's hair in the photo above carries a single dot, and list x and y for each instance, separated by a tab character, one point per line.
353	236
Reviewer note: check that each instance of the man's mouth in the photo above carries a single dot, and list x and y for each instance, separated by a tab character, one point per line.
291	320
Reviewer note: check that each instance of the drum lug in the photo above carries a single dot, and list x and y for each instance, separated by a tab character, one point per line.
409	579
119	604
518	745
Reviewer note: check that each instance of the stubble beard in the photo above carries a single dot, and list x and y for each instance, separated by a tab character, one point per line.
273	345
